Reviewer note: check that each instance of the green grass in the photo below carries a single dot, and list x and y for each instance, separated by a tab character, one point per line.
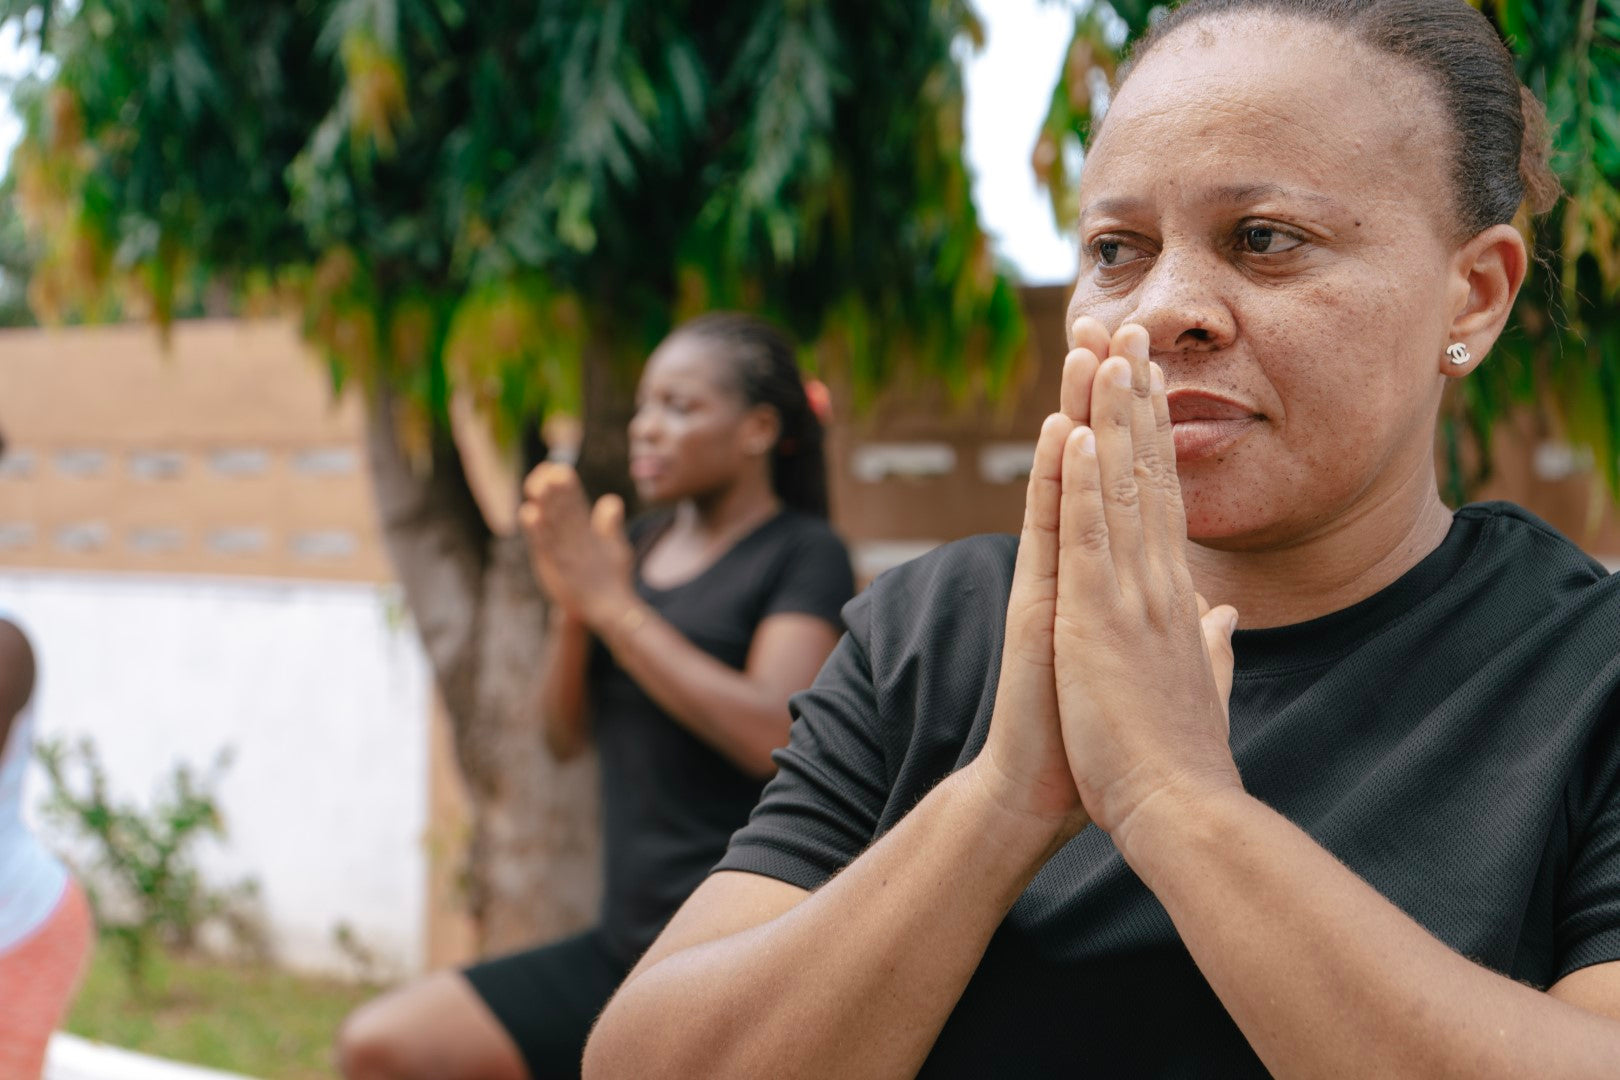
252	1020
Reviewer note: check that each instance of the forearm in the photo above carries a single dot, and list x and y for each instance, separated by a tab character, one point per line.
739	717
1327	977
560	696
854	981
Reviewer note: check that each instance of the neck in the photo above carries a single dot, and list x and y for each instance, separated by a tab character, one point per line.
733	509
1332	567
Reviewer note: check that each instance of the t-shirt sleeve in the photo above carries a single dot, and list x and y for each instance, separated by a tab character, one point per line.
822	808
816	579
1589	915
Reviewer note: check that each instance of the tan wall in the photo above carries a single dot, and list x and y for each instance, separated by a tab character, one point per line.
225	455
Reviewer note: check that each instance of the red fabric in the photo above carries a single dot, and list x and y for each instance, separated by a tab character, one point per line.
38	978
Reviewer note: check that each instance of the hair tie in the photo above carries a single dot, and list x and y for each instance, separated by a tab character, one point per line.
820	398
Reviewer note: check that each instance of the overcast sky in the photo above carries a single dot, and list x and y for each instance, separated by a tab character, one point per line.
1008	87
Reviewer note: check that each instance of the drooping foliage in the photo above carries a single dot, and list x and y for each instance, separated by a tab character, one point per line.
455	196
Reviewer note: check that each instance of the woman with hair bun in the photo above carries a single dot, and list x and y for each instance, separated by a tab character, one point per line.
674	647
1046	812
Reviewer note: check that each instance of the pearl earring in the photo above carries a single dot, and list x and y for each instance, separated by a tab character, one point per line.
1459	354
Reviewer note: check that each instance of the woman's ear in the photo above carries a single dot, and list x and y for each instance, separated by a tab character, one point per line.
1486	276
761	427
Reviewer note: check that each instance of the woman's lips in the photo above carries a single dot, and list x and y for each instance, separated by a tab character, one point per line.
1204	424
646	467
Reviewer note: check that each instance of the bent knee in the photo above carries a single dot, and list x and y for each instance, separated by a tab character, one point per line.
371	1046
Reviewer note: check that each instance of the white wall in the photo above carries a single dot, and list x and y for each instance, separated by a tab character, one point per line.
323	695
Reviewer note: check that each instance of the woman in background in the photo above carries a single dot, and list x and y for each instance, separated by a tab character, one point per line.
674	648
45	922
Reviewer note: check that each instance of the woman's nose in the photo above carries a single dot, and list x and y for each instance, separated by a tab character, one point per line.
1180	304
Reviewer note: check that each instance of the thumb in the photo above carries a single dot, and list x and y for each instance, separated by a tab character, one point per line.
607	517
1217	625
529	518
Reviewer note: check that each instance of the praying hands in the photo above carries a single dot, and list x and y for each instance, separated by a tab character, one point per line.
1115	675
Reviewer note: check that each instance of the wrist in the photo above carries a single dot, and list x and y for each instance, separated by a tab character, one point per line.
565	620
1178	820
1026	834
618	616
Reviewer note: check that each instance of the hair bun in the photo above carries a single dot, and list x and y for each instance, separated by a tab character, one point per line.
820	398
1541	187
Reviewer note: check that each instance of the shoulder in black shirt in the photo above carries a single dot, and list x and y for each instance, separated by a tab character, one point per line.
1454	739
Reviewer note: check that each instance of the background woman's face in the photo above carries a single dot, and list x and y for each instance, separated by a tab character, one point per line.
1271	200
687	437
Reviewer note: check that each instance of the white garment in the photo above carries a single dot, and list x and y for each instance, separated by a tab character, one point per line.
32	879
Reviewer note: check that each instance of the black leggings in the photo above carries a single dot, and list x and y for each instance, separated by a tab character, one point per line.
548	998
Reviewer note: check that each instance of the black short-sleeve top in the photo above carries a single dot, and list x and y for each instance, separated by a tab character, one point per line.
669	800
1454	739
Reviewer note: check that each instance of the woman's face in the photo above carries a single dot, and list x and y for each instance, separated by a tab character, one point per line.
1271	200
691	435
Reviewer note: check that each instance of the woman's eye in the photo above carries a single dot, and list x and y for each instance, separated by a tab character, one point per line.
1265	240
1112	252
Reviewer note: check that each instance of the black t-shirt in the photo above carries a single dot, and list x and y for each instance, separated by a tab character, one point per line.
1454	739
669	800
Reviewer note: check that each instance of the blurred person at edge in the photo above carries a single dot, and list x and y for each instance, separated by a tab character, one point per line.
45	924
1047	811
675	646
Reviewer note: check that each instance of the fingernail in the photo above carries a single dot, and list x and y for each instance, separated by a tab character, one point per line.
1121	375
1136	345
1155	377
1088	441
1231	621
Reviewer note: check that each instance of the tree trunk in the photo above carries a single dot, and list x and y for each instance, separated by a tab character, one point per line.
533	867
610	400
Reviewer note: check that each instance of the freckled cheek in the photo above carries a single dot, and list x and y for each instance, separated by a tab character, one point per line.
1338	367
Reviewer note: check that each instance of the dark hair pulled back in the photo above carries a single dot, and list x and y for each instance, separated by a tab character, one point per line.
760	364
1500	142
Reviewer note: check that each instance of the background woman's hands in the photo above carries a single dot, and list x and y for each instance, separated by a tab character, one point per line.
1143	667
579	552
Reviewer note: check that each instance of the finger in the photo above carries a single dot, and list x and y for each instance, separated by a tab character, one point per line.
1171	509
1037	563
1079	370
546	478
1154	472
1089	333
561	497
1131	342
533	482
529	518
607	517
1217	625
1112	406
1086	574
